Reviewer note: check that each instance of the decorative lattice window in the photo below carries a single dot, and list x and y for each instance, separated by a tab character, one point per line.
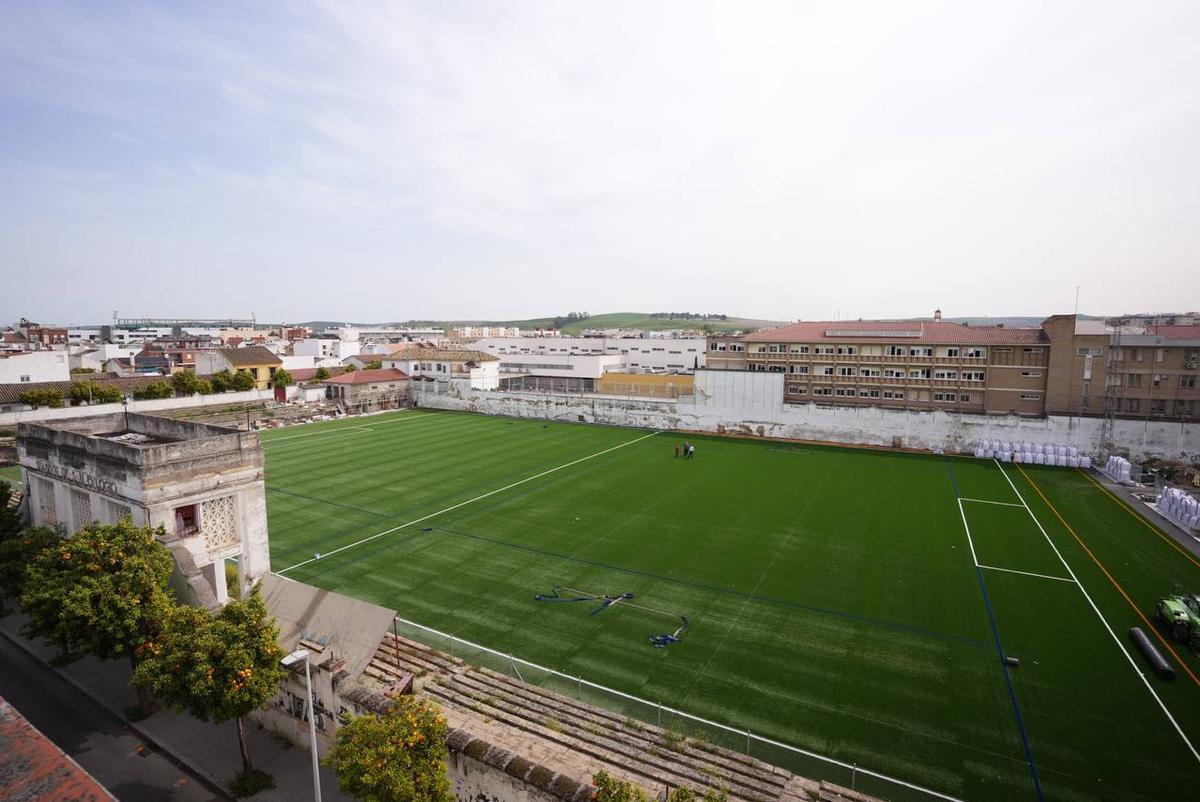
81	508
219	523
118	512
46	501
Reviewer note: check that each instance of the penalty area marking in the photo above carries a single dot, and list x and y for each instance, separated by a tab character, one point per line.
997	503
1026	573
342	429
452	507
1137	669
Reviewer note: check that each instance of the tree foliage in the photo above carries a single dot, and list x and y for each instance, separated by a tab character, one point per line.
349	368
397	757
86	392
17	550
103	592
374	364
10	517
155	389
216	667
242	381
282	378
222	381
43	397
321	374
186	382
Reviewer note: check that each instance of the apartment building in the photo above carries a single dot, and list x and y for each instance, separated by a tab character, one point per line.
1065	366
911	365
641	354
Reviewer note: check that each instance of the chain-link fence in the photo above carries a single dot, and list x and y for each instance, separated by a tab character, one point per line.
702	731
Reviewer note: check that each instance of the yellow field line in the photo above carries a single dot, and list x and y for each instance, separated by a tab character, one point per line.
1111	579
1142	520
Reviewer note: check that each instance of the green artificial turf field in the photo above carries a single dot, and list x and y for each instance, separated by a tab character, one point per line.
832	595
10	474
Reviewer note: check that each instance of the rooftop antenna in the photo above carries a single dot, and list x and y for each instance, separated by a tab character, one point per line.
1076	300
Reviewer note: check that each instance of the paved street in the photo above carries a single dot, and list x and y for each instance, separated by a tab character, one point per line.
101	744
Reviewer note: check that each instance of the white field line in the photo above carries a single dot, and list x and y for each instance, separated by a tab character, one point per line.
400	419
648	705
465	503
1025	573
1103	620
970	542
997	503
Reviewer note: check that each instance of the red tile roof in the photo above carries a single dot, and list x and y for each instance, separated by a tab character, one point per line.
1175	332
33	768
308	374
898	332
368	376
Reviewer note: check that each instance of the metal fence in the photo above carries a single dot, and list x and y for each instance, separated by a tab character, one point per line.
801	761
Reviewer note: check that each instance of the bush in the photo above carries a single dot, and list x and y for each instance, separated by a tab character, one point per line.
222	381
157	389
242	381
186	382
281	378
322	374
83	370
95	393
374	364
249	783
43	397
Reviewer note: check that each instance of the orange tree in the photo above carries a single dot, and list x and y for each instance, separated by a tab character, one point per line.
397	757
216	667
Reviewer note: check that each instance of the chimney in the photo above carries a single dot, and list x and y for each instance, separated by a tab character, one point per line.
937	314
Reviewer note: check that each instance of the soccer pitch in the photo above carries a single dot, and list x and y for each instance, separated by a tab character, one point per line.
851	602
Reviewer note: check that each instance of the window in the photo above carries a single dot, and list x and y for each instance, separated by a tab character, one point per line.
945	374
895	350
1159	378
822	391
750	366
1133	380
868	393
1159	354
1030	396
1187	382
823	349
1091	352
846	371
1138	356
118	512
799	349
919	373
847	350
943	396
964	397
1031	374
974	375
1183	407
771	349
845	392
777	369
976	353
1004	350
824	370
1158	407
798	368
185	521
81	507
869	372
920	352
1032	350
894	394
796	389
1133	405
893	373
24	377
951	352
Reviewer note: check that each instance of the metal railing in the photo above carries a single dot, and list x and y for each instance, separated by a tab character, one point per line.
801	761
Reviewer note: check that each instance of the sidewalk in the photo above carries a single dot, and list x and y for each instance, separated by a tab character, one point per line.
208	750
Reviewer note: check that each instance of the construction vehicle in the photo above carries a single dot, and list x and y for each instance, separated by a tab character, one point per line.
1180	614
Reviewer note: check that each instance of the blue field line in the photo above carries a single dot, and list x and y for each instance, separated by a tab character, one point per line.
714	588
1012	693
326	501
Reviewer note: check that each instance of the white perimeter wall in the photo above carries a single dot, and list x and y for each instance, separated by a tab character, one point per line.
747	403
149	405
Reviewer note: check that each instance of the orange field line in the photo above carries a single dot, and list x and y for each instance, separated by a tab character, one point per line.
1111	579
1142	520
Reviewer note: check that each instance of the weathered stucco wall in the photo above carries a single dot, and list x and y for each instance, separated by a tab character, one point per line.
751	404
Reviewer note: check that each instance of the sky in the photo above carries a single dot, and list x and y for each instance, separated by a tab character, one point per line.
502	160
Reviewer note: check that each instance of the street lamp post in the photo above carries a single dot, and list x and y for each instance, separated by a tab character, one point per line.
288	662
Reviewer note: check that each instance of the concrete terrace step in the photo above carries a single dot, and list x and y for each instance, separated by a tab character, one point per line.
655	761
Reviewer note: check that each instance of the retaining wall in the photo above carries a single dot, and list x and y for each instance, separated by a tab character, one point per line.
149	405
733	402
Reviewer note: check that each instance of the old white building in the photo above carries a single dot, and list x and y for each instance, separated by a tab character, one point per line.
640	354
29	367
202	484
